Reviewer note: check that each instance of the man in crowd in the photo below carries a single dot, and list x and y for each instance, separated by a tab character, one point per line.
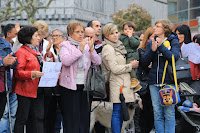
96	25
93	30
10	32
7	61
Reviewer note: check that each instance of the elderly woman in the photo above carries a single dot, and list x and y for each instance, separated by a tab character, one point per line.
113	56
27	74
76	55
157	53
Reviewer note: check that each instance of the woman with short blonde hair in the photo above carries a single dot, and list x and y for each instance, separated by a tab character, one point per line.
42	27
114	59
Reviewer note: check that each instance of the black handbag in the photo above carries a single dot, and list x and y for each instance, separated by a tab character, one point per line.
95	83
182	70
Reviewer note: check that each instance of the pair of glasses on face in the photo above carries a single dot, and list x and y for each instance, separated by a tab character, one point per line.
53	36
158	26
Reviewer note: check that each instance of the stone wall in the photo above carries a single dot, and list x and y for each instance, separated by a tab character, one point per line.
61	12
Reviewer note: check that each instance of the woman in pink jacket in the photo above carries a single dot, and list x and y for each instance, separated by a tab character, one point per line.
76	55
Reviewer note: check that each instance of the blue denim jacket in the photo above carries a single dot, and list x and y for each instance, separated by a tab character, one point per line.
5	49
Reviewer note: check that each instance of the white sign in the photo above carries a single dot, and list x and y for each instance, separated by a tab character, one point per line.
51	72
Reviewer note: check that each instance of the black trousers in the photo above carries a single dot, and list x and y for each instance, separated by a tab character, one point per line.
75	110
2	103
51	102
30	112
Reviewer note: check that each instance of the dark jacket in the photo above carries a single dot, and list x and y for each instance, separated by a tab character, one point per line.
158	59
142	71
131	44
5	49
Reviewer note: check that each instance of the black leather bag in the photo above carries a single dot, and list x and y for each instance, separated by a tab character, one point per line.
182	70
95	83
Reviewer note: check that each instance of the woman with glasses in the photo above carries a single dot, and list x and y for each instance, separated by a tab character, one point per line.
157	53
76	55
53	117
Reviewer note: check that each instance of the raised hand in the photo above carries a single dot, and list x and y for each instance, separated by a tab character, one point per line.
9	59
129	33
83	43
91	44
17	27
154	45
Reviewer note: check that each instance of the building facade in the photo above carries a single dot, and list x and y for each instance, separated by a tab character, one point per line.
184	12
61	12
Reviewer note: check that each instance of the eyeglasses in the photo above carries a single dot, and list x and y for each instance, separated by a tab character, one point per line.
78	32
158	26
56	36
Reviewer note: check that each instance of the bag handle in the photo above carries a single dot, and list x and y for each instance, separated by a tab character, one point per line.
45	57
174	72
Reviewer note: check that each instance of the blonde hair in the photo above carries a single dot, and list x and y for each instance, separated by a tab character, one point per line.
108	29
42	26
72	25
147	35
166	26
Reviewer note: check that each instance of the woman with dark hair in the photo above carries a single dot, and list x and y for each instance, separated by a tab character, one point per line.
184	34
27	74
189	49
146	122
158	52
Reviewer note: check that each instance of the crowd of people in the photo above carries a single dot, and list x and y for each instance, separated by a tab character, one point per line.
132	59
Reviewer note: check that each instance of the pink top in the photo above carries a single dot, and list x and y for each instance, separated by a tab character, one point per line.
69	56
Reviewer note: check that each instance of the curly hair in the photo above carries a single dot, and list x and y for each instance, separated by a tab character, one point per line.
166	26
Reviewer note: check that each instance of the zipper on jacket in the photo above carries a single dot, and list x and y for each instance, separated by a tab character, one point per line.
157	76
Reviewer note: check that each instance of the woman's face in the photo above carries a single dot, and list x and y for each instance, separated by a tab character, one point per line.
78	34
35	40
158	30
180	37
41	35
151	37
113	37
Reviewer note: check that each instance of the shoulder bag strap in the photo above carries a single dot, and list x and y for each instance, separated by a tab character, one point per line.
36	57
174	72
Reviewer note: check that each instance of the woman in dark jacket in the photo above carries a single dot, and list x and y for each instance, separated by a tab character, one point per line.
157	53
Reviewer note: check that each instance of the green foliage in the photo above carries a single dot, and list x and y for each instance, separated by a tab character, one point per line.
134	13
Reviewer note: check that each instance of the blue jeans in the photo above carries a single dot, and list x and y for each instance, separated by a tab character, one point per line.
164	116
58	120
116	122
4	122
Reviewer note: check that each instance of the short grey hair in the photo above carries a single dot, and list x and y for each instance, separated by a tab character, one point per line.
64	34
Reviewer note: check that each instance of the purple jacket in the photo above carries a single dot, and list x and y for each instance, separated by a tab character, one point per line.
69	56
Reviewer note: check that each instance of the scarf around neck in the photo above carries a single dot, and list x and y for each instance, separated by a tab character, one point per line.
118	46
39	56
83	60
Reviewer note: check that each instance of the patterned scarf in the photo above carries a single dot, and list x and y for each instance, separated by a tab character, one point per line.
118	46
83	60
39	56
